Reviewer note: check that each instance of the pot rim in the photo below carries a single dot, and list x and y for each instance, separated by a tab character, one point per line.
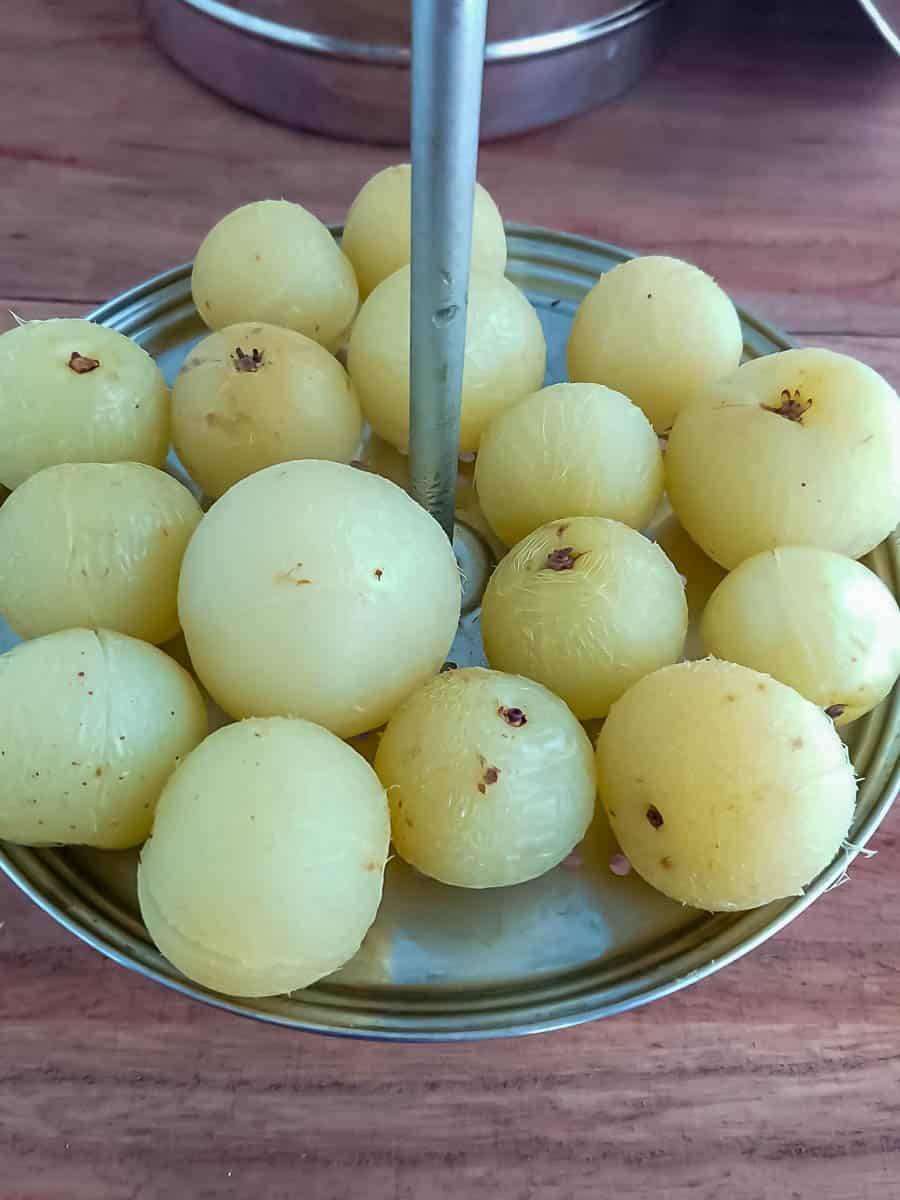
386	54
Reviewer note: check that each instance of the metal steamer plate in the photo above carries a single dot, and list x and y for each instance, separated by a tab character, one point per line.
443	962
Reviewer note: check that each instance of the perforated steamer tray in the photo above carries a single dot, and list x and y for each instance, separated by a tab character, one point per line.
442	962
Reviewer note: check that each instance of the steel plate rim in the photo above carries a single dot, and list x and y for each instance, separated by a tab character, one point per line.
388	55
378	1032
583	1004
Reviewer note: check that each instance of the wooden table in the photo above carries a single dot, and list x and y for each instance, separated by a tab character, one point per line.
776	165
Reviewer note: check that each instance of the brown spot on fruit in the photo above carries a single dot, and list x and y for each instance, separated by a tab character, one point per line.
760	687
835	710
513	716
291	576
730	698
98	772
378	573
666	862
490	776
654	816
449	666
229	425
247	363
797	743
81	364
563	559
371	866
791	407
561	529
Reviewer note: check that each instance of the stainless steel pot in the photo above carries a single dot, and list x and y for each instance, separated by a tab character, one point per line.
342	67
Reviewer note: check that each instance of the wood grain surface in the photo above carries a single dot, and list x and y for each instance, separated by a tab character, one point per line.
771	158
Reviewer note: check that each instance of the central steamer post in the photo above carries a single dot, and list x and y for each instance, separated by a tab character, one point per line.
448	39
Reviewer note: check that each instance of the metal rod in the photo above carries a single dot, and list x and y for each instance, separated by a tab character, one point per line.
447	64
888	26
